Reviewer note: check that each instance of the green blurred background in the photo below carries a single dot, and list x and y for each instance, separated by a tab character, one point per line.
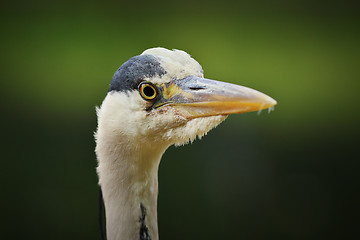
291	174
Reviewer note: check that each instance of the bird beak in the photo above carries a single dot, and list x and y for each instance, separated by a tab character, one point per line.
197	97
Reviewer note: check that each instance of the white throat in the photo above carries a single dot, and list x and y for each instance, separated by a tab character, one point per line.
129	146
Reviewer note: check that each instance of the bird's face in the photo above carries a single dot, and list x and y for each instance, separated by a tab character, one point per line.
161	97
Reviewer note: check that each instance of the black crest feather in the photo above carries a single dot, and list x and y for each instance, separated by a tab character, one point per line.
132	72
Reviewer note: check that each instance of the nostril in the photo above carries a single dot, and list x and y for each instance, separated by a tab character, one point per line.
196	88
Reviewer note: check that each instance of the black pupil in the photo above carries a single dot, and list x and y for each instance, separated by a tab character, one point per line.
149	91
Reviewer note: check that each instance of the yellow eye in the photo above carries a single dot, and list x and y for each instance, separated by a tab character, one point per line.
147	91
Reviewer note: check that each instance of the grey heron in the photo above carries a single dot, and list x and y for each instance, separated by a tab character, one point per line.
155	100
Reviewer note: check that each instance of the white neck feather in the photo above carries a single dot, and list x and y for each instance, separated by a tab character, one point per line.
129	179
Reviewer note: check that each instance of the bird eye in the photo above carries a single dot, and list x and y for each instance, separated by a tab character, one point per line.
147	91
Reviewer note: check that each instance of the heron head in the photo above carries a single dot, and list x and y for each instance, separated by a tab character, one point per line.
161	97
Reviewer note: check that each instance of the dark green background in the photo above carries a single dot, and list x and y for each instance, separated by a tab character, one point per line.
291	174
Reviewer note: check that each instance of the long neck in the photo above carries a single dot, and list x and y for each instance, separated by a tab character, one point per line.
128	176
